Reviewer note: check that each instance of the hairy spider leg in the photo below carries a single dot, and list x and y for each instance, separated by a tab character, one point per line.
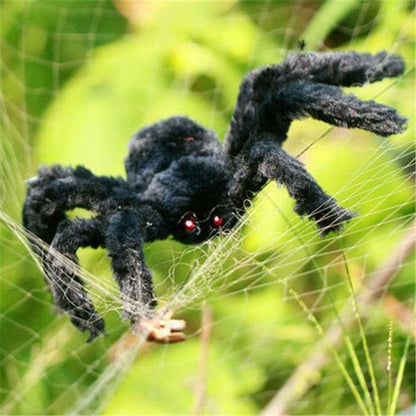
271	98
58	189
327	103
53	192
267	160
67	289
334	68
340	68
343	69
125	236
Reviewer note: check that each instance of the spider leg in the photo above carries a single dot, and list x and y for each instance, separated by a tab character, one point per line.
67	289
327	103
50	194
57	189
263	86
342	68
267	160
126	234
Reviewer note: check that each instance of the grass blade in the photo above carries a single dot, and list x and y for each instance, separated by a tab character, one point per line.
334	352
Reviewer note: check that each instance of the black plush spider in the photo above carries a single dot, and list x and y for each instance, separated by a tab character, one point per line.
181	181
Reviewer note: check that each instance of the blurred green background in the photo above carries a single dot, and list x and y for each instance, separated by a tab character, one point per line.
78	78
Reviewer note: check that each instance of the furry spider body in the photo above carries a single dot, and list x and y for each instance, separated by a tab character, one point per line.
182	182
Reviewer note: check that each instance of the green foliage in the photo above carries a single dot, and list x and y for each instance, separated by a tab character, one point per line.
326	19
78	79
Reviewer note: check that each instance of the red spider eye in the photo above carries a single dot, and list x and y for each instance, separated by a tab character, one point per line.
217	221
189	225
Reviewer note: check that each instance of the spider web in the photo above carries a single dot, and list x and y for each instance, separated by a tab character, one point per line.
263	303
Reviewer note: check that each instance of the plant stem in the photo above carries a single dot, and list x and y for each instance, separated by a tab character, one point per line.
334	352
304	376
200	388
399	379
376	395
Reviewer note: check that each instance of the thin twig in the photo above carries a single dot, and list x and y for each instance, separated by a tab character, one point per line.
200	387
305	375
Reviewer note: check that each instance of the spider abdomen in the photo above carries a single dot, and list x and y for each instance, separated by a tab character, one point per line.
154	148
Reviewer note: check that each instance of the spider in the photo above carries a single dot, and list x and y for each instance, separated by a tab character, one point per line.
182	182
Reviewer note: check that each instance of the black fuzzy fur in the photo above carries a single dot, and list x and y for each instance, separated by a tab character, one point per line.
177	169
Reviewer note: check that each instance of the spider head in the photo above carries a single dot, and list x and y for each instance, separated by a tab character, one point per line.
204	209
193	195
